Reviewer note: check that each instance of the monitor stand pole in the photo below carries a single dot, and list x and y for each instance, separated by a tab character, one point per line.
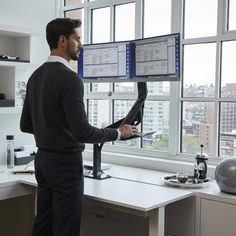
134	117
97	172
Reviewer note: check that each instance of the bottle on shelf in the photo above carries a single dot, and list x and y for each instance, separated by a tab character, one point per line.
10	150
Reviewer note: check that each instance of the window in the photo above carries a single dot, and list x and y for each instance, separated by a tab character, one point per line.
200	18
231	14
158	88
101	25
228	129
121	108
198	109
99	113
71	2
124	22
124	87
199	70
156	117
198	127
100	87
228	84
157	17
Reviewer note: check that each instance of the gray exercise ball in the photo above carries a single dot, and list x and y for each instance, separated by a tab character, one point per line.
225	175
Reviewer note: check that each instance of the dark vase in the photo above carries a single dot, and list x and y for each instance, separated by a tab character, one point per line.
225	175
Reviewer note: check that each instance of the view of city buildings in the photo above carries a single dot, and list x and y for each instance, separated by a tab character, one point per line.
197	118
198	121
155	118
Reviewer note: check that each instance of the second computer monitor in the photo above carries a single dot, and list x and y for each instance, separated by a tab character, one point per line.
158	57
105	60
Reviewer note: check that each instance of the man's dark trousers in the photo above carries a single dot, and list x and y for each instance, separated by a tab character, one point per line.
59	194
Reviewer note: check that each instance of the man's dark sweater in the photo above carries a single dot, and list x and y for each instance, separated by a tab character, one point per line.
54	111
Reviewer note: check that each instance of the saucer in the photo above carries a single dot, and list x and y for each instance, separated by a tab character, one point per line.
173	181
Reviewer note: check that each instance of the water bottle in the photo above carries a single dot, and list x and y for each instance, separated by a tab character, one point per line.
10	150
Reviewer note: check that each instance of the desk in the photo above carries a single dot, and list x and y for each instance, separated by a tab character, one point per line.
137	198
140	191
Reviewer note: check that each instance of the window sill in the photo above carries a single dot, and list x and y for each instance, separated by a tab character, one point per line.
163	162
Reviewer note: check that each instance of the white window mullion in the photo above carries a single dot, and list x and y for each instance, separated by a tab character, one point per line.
138	19
175	119
177	16
87	24
112	23
175	107
111	109
59	8
222	17
87	39
221	28
217	95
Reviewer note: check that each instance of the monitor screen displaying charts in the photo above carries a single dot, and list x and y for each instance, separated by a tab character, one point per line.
158	56
108	60
148	59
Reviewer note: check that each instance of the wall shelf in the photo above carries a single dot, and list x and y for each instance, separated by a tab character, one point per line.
15	42
10	110
10	30
15	64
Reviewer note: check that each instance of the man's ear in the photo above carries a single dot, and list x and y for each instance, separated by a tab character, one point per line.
62	41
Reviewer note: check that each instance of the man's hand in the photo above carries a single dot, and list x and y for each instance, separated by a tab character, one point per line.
128	131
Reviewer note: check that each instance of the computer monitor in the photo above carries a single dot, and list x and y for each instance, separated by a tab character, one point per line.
157	58
142	60
105	60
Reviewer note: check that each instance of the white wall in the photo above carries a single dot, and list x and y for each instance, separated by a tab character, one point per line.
27	14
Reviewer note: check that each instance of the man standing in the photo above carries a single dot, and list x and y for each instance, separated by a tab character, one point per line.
54	113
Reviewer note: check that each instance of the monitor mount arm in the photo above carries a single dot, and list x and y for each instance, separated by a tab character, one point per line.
134	117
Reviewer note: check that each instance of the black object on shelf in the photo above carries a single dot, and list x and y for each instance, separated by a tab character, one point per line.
14	60
4	57
2	96
7	102
8	57
134	117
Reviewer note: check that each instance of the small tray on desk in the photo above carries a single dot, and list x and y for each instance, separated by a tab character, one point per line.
173	181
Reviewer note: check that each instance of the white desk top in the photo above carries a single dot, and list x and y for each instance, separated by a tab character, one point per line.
119	192
136	188
134	195
154	177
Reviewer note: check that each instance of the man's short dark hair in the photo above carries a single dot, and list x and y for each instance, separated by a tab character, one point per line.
58	27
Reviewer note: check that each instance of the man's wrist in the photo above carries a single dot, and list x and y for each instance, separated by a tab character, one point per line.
119	135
